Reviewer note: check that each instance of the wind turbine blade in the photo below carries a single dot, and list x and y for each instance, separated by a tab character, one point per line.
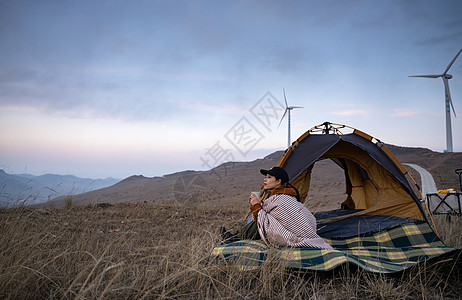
452	61
452	106
285	98
448	94
426	76
282	117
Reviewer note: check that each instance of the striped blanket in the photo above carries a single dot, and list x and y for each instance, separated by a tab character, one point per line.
387	251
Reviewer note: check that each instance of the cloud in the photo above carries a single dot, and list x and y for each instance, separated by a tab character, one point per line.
286	59
400	113
376	21
21	87
215	109
350	113
94	95
18	74
124	45
442	39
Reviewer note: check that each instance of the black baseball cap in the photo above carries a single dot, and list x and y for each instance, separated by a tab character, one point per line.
277	172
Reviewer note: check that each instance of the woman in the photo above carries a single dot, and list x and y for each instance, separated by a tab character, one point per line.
281	219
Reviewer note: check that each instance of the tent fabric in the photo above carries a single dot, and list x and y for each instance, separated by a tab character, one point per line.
376	181
388	251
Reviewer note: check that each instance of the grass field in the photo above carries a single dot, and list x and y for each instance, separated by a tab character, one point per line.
155	251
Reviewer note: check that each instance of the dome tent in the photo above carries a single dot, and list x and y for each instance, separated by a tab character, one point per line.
376	182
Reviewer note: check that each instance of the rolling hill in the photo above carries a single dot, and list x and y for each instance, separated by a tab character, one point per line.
232	182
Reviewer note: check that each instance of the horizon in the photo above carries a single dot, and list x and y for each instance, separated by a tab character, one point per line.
177	171
102	89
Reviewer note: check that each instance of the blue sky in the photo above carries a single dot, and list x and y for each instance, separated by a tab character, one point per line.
118	88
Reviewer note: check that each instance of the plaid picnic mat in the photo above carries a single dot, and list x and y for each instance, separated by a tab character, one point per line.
387	251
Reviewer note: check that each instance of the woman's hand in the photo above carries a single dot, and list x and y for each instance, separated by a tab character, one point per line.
253	199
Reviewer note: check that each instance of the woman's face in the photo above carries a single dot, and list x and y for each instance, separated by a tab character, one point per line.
270	182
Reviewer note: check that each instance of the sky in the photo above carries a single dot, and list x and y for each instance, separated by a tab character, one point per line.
103	89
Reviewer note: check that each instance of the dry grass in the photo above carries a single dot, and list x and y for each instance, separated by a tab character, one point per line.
154	251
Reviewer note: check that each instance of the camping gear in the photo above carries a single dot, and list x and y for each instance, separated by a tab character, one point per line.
459	172
376	182
445	203
380	205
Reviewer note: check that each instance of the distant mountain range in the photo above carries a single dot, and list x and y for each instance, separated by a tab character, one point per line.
29	189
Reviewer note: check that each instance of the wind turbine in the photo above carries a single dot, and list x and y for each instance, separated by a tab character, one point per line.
448	101
288	109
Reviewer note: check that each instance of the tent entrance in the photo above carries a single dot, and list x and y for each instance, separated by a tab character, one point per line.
337	183
327	187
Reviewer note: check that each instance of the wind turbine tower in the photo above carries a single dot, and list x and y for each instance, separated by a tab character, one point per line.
448	101
288	109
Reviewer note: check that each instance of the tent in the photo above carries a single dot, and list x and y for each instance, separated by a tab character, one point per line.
382	225
376	182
